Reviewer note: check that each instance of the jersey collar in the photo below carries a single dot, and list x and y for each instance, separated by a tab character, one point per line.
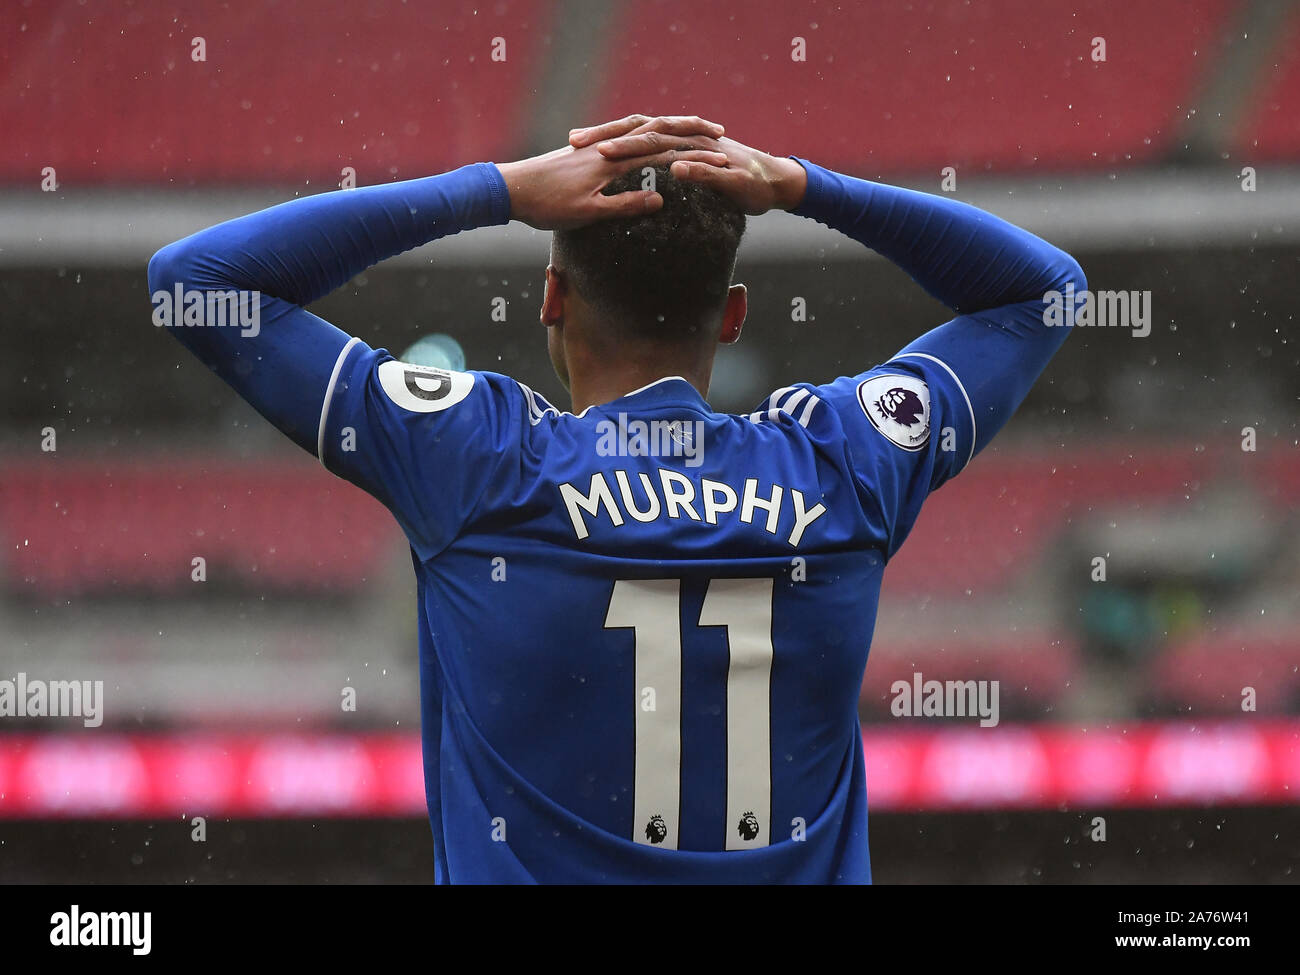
668	391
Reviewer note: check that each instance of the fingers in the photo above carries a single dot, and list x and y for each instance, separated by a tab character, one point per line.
633	203
682	125
706	168
703	166
653	143
670	156
706	174
608	130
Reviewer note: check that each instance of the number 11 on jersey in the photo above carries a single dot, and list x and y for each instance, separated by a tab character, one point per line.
652	608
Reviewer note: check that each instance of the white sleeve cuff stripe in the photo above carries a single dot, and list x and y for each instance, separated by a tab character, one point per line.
971	409
329	395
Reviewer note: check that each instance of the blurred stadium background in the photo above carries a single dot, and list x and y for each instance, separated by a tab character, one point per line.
1169	164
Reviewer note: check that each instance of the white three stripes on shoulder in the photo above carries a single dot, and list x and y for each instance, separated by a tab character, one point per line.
783	402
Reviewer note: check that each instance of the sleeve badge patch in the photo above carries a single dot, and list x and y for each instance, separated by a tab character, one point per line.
423	389
898	407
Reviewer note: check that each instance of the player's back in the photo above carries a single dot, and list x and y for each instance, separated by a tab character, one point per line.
647	643
625	650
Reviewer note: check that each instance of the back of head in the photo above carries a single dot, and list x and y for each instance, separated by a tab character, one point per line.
661	275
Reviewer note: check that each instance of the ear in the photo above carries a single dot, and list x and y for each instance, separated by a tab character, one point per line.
733	314
557	286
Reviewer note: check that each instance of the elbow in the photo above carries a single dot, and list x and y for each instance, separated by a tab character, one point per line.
1068	274
1069	287
189	262
168	267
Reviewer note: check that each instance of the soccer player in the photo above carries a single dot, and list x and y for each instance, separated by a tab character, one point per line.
642	624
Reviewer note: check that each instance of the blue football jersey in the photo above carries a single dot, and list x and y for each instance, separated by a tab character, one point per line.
643	628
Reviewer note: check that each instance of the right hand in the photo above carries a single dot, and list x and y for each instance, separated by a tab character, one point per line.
753	180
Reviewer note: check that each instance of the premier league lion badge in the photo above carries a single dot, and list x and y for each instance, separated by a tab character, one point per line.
899	407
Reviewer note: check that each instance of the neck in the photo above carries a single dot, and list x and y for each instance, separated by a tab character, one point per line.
599	377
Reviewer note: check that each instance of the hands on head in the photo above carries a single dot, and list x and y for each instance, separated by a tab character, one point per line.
563	188
753	180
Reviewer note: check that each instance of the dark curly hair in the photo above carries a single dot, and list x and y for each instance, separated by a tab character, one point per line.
665	273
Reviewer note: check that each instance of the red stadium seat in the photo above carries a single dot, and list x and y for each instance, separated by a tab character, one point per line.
292	91
1033	670
82	527
988	528
1208	673
998	85
296	91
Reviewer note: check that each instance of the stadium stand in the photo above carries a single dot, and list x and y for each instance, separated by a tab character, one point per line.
290	92
1208	674
1037	103
988	528
134	528
311	90
1034	670
135	524
294	92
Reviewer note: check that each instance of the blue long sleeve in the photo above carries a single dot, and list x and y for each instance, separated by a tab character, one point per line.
963	256
293	254
993	274
302	250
